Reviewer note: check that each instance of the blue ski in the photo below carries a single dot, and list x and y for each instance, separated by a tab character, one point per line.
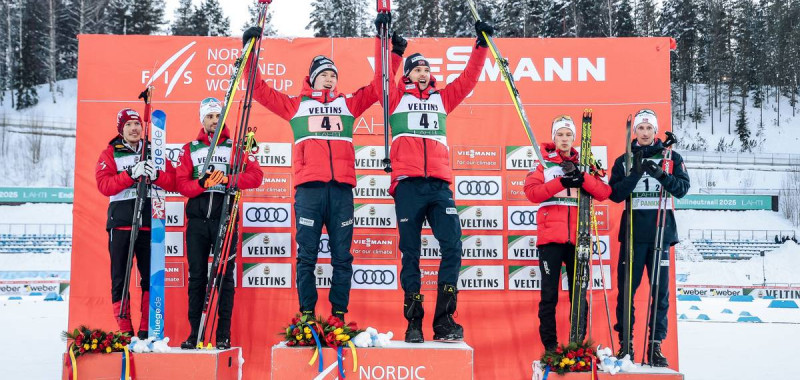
158	145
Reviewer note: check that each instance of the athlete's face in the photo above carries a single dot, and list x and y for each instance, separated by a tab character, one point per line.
645	134
564	139
326	80
421	75
210	122
132	131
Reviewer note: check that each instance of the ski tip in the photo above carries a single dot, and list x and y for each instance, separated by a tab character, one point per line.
159	115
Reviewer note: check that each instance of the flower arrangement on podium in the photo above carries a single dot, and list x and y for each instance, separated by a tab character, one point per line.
573	357
84	340
305	331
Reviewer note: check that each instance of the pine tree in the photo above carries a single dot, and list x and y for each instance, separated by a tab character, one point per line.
405	14
622	18
519	18
557	20
209	20
320	22
645	20
25	76
591	18
340	18
134	16
252	10
679	21
182	23
457	19
429	18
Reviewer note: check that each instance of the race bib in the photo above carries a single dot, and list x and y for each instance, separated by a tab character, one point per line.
423	121
322	124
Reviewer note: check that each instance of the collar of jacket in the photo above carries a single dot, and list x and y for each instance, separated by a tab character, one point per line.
648	151
205	138
322	96
406	86
551	154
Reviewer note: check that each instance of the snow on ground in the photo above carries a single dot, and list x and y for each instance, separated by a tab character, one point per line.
64	109
778	267
756	178
720	309
59	213
31	334
730	220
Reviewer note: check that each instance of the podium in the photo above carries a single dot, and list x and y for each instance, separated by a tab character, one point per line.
176	364
639	373
401	360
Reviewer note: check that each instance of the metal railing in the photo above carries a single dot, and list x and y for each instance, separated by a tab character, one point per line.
772	159
740	235
35	229
723	190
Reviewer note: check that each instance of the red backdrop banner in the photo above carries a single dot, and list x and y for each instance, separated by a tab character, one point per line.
499	279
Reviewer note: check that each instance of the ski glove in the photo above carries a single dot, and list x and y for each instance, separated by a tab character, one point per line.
150	171
670	139
251	32
137	170
653	169
210	179
383	20
638	168
480	28
399	44
572	180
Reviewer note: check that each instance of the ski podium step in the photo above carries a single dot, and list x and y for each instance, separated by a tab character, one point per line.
400	360
176	364
639	373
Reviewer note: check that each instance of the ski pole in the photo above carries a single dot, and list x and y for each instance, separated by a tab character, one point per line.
384	7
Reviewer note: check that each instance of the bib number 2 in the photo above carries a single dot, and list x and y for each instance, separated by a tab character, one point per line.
317	124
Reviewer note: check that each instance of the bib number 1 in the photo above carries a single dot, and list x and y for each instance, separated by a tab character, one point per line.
420	121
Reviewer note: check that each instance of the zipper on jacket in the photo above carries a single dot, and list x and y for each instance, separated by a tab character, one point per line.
210	202
330	155
425	156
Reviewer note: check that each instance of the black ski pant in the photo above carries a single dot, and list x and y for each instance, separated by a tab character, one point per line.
643	258
200	237
330	204
417	199
118	242
551	256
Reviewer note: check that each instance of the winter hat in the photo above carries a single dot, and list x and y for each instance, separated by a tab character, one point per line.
646	116
209	105
563	121
413	61
319	64
125	115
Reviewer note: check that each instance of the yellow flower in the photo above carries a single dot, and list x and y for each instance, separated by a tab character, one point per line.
306	330
337	331
298	337
561	364
94	341
581	363
346	338
86	346
308	336
108	349
571	361
343	337
94	346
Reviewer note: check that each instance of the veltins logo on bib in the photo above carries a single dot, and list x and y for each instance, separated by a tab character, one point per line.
266	244
520	158
382	277
370	157
481	277
372	187
528	277
473	247
266	215
479	188
267	275
522	218
522	247
274	154
374	215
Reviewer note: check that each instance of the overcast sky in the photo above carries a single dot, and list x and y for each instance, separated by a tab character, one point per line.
289	17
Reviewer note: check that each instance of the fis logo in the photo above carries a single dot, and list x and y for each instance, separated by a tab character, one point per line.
167	74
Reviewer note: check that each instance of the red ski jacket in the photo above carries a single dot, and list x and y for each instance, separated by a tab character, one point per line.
424	157
557	223
317	159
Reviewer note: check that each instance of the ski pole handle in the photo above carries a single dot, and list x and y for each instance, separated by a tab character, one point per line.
265	1
384	6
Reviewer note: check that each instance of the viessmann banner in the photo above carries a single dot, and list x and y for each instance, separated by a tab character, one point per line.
489	151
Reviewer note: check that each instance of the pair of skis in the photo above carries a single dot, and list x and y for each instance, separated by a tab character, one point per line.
243	145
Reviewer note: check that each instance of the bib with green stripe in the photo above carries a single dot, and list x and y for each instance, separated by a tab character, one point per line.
645	195
566	197
219	161
420	118
125	159
326	121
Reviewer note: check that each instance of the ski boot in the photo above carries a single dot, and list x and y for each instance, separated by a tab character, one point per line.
413	311
445	327
655	356
223	340
338	314
124	322
620	354
191	342
144	323
142	334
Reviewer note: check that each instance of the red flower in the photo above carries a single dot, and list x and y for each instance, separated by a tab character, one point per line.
571	355
580	352
559	350
302	343
81	350
291	343
589	351
353	326
296	331
295	320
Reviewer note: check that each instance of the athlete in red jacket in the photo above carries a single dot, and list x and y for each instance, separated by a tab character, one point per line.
421	177
203	212
324	169
118	169
554	185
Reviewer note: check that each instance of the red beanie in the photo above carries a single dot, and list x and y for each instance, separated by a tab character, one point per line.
125	115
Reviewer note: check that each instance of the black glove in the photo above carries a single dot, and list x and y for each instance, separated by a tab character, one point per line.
653	169
568	167
637	168
670	139
481	27
251	32
572	180
383	20
399	44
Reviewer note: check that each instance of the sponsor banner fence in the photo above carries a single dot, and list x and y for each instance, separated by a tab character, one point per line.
777	292
25	288
727	202
36	195
488	150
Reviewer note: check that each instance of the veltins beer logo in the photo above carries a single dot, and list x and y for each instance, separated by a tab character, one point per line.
369	157
522	218
481	217
324	275
266	244
476	157
524	277
266	214
522	247
372	187
265	275
430	248
598	277
374	215
174	214
479	188
382	277
481	277
173	243
520	158
482	247
274	154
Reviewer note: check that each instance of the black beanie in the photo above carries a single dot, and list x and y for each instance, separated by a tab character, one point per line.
319	64
413	61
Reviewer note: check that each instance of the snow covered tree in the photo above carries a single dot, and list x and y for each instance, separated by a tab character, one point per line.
405	16
252	10
622	19
182	23
457	19
557	19
679	21
25	73
208	19
134	16
340	18
519	18
645	22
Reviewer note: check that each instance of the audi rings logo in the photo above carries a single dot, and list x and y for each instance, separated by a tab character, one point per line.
373	277
599	247
523	218
478	188
324	246
174	154
266	214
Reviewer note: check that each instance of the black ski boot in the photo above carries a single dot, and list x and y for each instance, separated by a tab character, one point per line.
338	314
445	327
413	311
309	314
142	335
223	342
620	354
191	342
655	356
